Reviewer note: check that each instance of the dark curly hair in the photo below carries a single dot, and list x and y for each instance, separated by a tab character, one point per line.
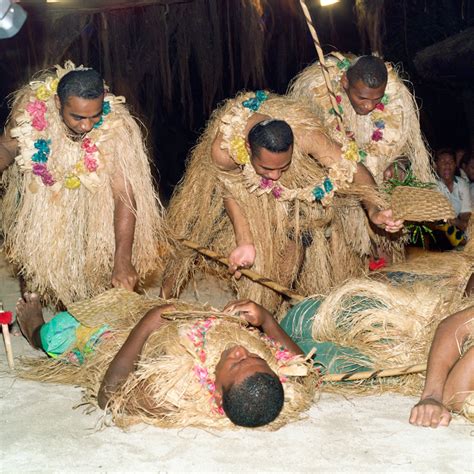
273	135
86	84
371	70
256	401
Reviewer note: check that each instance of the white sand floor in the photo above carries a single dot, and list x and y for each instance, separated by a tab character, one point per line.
44	430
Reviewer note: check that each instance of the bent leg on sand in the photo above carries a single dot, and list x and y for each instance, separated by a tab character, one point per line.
460	382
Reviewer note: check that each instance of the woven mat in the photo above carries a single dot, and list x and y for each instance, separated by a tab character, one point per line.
420	204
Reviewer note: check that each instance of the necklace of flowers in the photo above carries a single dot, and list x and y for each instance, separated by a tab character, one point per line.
351	150
281	353
233	129
323	192
197	336
37	109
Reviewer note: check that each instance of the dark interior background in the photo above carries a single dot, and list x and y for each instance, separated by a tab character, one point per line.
175	60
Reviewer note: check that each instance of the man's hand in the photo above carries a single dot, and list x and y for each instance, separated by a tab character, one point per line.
242	256
153	320
254	314
385	220
430	413
124	275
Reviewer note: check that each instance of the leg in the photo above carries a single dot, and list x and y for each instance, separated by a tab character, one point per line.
460	382
30	318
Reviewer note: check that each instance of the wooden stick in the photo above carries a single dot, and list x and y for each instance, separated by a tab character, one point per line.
322	62
248	273
6	319
8	345
372	374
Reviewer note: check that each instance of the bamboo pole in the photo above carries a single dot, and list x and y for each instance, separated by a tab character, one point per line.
322	62
373	374
5	320
248	273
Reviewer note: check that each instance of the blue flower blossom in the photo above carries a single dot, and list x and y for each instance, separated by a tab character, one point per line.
254	103
328	186
39	157
106	107
100	122
379	124
318	193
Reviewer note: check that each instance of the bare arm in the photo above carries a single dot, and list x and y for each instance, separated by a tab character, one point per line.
444	354
328	152
123	274
258	316
244	253
125	361
242	232
462	221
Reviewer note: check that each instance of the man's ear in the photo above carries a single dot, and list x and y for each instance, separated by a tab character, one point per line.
247	147
344	81
57	101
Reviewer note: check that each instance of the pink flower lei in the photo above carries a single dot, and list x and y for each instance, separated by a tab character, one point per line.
377	121
87	164
197	335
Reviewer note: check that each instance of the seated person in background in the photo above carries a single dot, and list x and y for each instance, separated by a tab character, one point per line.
467	166
449	384
456	190
461	154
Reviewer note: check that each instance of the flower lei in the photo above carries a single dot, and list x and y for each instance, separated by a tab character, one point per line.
351	150
233	137
322	192
237	146
197	335
281	353
37	109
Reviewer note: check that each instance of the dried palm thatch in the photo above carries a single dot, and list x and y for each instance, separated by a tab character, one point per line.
451	270
165	373
62	240
298	244
389	325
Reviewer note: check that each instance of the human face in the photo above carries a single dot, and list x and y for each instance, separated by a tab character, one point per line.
271	165
469	169
237	364
363	98
80	115
446	167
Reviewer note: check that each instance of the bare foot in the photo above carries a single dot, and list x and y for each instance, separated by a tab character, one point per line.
15	329
30	317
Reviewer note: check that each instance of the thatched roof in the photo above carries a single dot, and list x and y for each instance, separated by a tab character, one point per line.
450	59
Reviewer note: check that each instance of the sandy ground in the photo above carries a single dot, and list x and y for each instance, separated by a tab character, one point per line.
44	429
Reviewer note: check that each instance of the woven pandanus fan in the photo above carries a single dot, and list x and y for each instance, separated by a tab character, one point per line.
420	204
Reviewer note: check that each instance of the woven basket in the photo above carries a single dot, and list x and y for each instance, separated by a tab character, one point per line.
122	309
420	204
111	306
